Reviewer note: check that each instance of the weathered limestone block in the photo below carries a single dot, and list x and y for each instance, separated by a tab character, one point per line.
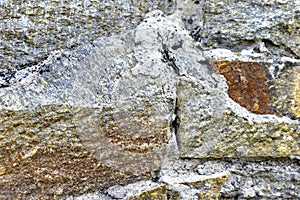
296	92
285	92
236	26
64	131
231	178
213	125
31	30
209	187
43	157
103	112
119	115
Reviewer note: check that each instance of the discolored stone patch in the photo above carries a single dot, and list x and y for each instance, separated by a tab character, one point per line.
131	141
247	84
42	155
210	128
158	192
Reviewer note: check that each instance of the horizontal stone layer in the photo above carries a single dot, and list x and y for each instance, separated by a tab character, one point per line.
211	129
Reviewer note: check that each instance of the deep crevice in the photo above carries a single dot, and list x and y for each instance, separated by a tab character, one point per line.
7	76
175	124
169	59
257	159
176	120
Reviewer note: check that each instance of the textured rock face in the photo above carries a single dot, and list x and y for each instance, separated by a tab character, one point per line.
81	119
182	103
296	91
239	25
31	30
211	127
42	155
109	105
247	84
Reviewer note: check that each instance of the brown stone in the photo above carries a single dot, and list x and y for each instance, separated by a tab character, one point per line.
45	155
130	141
247	84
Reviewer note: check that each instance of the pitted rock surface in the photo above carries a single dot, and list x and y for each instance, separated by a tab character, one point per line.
31	30
240	25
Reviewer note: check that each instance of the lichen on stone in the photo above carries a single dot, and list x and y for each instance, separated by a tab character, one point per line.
160	192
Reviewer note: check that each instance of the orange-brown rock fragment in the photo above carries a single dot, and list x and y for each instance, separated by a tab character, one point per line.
247	84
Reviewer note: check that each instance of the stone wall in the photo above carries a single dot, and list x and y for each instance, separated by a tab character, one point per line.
150	99
31	30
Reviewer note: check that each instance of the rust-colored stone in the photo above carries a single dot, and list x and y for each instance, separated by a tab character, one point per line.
130	141
37	162
44	155
247	84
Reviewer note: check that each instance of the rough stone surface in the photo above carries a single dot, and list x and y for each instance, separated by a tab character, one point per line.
118	95
237	26
30	30
52	116
284	89
44	157
247	84
199	104
211	127
296	92
159	192
280	76
234	179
